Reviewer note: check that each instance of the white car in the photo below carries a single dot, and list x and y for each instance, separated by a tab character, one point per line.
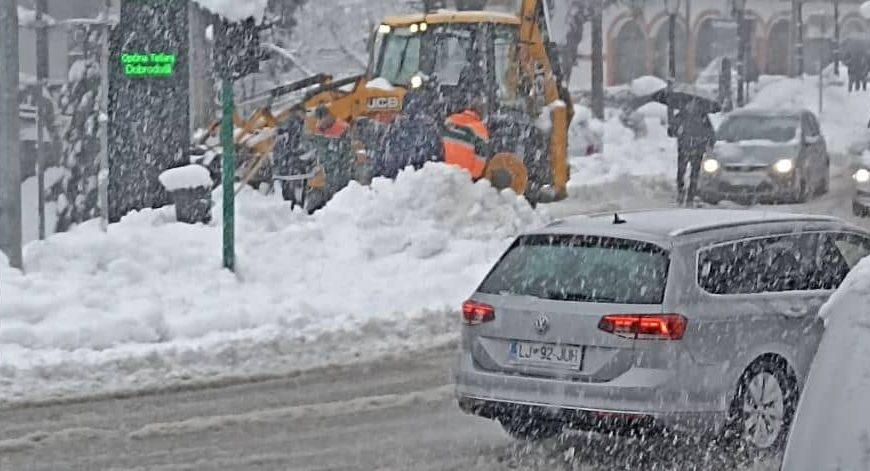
831	429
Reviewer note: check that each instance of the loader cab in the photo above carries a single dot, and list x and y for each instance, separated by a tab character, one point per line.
465	59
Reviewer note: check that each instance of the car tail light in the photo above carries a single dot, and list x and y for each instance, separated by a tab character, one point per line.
645	326
475	313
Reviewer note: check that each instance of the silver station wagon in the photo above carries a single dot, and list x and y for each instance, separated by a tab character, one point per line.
681	319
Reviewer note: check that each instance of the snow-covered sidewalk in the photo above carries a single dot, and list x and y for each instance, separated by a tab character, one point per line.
148	300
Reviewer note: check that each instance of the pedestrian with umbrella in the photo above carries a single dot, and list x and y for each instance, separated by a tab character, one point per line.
693	130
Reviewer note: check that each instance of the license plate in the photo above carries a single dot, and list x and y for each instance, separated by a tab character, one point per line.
535	353
745	180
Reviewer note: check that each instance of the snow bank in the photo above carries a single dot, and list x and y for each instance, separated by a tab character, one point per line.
98	308
652	156
831	430
647	85
188	176
235	10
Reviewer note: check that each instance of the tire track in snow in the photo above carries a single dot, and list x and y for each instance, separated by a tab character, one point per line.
204	424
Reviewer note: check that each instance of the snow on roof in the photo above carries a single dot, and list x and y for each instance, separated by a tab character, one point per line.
27	18
235	10
380	83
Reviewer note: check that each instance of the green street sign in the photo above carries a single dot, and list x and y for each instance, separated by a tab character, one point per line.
140	65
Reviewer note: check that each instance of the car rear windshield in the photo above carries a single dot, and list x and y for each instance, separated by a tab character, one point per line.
752	128
581	268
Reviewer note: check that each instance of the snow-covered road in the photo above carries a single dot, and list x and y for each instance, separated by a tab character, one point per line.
397	413
394	413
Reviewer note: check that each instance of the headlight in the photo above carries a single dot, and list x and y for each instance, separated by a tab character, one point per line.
711	165
862	175
414	27
423	26
384	29
784	166
416	81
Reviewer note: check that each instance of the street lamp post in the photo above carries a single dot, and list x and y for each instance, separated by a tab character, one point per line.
672	7
740	10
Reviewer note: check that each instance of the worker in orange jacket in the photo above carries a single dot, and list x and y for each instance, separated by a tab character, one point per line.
330	140
466	140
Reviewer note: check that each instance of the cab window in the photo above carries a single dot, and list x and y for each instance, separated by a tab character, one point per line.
506	73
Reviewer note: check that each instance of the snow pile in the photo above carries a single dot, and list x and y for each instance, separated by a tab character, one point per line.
647	85
188	176
831	430
651	156
150	293
235	10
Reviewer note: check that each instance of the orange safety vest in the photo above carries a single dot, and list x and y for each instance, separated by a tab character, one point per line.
464	136
335	131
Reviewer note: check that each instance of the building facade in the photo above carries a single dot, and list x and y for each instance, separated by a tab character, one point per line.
636	37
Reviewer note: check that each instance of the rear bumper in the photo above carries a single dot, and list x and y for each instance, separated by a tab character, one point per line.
641	397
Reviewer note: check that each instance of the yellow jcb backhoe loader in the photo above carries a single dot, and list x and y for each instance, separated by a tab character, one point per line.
515	68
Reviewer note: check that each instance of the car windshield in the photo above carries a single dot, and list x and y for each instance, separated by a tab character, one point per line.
581	268
754	128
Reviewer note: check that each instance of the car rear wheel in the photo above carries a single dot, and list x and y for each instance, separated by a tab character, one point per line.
763	408
527	428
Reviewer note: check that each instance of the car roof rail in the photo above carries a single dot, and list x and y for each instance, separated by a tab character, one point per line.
752	222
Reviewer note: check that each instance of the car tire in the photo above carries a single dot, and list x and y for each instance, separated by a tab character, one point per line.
530	429
762	409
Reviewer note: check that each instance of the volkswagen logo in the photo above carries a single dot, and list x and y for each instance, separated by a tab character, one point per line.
542	324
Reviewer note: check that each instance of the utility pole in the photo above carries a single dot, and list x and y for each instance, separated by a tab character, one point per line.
741	50
228	173
41	77
673	9
799	21
103	174
837	38
10	147
597	60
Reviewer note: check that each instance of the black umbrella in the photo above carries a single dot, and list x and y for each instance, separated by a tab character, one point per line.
682	94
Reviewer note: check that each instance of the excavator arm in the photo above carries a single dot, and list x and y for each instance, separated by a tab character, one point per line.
535	57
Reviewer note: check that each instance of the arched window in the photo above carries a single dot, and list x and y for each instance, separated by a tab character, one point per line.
777	48
705	44
629	57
